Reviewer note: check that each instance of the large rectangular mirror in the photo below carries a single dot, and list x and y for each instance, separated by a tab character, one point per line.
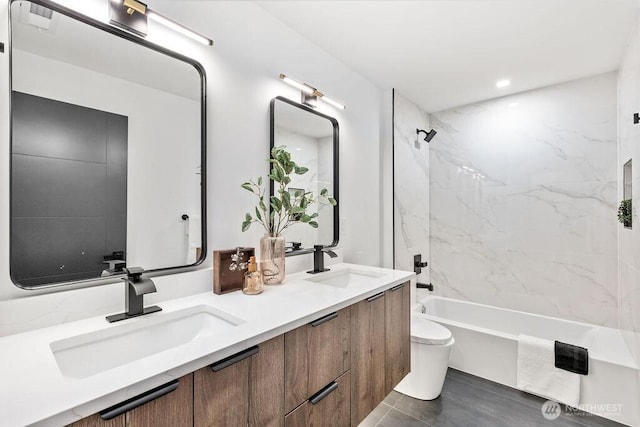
107	151
312	139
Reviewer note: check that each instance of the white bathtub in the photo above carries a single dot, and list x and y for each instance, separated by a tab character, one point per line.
487	341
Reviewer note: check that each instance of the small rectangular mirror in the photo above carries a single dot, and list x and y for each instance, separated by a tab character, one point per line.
312	139
107	151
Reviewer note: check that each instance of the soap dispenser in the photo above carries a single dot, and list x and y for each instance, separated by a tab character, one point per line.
253	283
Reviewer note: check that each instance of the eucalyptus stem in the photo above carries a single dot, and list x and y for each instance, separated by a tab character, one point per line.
278	213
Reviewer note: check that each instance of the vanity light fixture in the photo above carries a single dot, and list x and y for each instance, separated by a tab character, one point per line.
160	19
310	95
132	15
303	87
134	6
332	102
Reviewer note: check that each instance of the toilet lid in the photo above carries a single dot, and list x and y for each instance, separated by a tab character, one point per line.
427	332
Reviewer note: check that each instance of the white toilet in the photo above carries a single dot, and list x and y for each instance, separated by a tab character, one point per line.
430	349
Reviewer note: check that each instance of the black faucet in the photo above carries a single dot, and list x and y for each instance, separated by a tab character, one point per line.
318	258
137	286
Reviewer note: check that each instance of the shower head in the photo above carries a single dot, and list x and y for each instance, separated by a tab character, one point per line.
428	136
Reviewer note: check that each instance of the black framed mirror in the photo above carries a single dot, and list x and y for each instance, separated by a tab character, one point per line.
312	138
108	151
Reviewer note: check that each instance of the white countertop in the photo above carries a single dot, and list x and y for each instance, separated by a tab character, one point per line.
34	391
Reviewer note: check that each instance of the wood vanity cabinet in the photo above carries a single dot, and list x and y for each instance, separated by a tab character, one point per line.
330	372
95	421
330	407
174	408
397	319
315	355
380	348
246	389
368	387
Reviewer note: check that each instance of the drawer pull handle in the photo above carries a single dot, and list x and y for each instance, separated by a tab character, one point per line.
324	319
395	288
234	358
316	398
375	297
139	400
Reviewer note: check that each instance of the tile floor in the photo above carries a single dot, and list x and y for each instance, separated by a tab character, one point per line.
470	401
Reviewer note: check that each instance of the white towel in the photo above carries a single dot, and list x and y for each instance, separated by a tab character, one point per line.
538	375
194	236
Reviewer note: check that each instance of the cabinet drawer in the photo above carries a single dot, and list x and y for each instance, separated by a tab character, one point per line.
174	409
168	405
246	389
315	355
222	398
331	409
95	421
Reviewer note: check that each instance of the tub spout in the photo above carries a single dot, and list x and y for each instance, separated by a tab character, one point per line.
428	286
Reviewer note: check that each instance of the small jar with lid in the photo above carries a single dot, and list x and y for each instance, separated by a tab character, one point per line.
253	283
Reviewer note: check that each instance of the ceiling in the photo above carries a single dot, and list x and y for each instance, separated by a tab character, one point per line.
446	53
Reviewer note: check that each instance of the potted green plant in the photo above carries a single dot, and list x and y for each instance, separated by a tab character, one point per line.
625	212
279	212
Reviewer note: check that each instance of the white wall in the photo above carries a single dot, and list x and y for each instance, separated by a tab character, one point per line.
629	239
523	201
251	49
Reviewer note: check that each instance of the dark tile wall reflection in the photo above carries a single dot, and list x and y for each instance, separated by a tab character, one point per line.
68	189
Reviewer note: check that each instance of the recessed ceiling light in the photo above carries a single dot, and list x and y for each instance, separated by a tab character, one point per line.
513	104
503	83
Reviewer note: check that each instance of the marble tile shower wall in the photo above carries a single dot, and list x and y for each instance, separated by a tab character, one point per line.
523	201
514	201
411	186
629	240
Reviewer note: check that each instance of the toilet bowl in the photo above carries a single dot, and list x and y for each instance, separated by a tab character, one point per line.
430	349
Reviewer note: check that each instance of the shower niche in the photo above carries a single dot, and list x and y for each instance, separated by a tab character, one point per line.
625	210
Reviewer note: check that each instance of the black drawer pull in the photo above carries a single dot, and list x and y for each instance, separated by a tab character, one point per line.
139	400
395	288
375	297
234	358
324	319
316	398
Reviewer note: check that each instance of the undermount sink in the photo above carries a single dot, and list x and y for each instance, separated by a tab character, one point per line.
94	352
345	278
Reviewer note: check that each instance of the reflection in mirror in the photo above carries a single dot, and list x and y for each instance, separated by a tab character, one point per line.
312	140
106	151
